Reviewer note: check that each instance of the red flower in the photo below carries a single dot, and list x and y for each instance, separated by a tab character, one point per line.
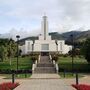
81	87
8	86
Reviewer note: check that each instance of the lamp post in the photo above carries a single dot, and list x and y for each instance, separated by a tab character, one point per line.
10	50
72	41
32	47
56	45
17	49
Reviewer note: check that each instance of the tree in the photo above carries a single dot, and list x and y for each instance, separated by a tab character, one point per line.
2	53
76	52
85	50
7	48
11	48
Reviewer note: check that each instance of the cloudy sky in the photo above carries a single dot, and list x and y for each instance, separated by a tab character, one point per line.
26	15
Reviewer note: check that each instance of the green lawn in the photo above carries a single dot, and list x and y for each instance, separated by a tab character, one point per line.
79	63
69	75
24	63
9	76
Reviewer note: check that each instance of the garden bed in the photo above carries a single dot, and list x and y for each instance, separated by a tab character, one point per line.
81	87
8	86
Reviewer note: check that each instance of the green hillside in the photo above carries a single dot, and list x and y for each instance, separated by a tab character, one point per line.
79	36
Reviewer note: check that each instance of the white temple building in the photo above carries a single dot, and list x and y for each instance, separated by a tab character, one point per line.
45	44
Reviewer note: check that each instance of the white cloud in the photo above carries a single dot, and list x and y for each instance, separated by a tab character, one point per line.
23	33
63	15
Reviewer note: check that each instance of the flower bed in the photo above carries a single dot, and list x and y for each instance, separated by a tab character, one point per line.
81	87
8	86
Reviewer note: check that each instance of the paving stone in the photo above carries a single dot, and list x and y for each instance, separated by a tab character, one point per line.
44	82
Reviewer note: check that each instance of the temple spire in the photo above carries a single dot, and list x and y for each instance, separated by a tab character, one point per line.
45	27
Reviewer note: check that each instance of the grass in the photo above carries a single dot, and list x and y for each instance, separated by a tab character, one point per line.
23	63
79	64
69	75
18	76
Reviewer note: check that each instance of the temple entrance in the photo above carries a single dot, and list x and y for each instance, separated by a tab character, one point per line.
44	53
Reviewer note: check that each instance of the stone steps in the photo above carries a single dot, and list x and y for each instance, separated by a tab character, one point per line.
45	66
45	61
45	70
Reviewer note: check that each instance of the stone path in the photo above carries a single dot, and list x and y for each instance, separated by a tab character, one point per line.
44	82
51	83
45	76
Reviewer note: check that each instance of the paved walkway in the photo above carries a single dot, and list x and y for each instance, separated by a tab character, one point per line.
51	83
45	76
44	82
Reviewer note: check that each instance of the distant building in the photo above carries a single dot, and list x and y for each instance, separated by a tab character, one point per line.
45	44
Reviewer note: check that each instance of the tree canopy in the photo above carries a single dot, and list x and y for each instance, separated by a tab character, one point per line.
7	48
85	50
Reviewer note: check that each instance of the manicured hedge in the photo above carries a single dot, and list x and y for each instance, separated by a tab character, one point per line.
8	71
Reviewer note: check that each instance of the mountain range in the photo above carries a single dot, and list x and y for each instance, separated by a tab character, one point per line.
78	36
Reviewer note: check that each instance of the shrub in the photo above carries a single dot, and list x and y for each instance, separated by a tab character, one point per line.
55	57
34	57
65	55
